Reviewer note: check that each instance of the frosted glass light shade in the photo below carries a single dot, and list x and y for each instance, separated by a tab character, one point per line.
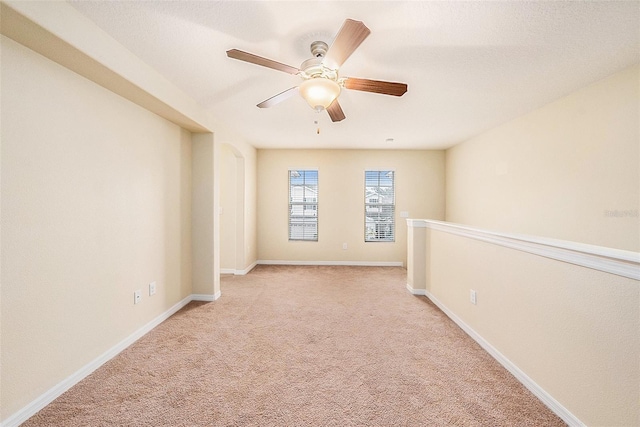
319	92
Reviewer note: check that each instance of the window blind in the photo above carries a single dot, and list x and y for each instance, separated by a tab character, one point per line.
379	206
303	205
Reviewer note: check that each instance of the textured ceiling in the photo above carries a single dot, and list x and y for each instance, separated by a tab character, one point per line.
469	65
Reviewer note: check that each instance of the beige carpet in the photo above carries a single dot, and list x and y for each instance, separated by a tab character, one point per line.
303	346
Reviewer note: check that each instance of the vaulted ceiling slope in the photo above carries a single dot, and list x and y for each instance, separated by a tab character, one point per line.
469	66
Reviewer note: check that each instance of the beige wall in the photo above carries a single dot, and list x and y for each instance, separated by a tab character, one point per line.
205	265
229	196
96	203
569	170
250	207
419	191
238	193
573	330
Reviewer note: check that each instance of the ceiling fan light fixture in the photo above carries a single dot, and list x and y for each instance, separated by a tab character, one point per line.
319	92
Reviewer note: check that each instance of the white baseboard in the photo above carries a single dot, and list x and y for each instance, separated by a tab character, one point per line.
416	291
534	388
238	272
246	270
54	392
349	263
205	297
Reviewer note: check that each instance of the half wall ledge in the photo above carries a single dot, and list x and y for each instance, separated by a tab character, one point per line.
609	260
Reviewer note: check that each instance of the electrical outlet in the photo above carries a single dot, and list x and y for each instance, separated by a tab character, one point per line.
152	288
344	246
137	296
473	297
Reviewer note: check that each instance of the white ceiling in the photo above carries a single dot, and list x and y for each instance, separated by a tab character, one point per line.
469	65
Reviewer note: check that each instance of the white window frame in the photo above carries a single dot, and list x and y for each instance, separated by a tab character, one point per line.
303	207
382	228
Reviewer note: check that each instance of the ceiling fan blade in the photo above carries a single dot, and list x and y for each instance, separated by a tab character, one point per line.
259	60
335	111
276	99
351	34
376	86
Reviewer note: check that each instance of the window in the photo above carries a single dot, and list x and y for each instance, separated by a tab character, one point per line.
379	206
303	205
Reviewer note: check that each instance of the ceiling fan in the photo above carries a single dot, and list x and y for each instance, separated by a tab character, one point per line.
321	84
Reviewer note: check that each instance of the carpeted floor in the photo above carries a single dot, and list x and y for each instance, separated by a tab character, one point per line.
303	346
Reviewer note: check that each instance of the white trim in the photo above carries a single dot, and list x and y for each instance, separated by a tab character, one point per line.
54	392
206	297
413	291
534	388
238	272
350	263
251	267
615	261
416	223
246	270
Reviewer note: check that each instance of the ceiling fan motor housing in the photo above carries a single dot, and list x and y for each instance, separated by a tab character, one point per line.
312	68
319	49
